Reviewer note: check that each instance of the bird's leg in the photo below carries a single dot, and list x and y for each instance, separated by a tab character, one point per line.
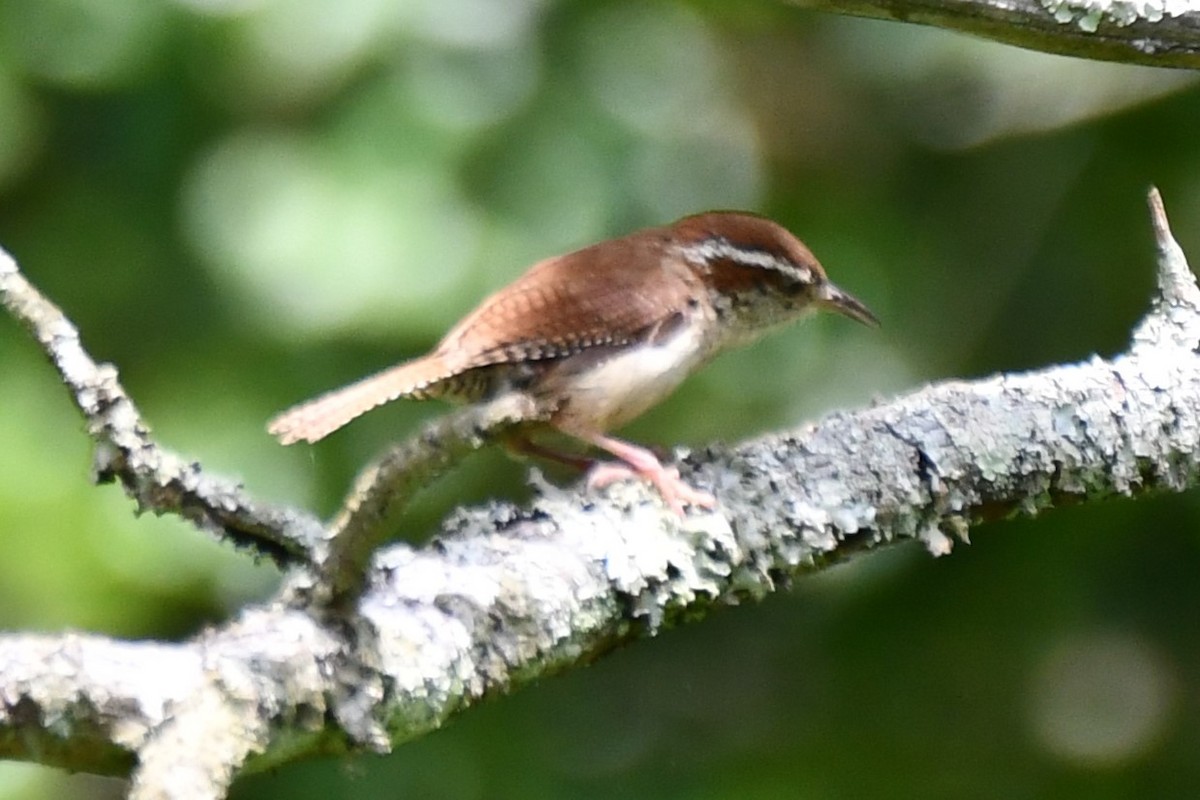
641	463
523	445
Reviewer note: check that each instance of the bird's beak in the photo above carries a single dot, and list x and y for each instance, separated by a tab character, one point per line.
834	299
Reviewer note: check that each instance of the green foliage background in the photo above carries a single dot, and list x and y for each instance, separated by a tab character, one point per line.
245	202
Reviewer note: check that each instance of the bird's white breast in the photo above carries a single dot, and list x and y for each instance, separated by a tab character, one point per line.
611	392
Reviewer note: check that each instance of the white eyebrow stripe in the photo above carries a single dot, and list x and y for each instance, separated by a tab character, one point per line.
709	250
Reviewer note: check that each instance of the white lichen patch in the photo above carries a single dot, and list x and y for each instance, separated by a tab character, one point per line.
936	542
1088	14
816	532
422	650
662	567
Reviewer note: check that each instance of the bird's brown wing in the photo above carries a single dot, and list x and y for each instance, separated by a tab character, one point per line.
600	296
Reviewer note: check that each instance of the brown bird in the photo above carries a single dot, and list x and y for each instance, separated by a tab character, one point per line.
598	336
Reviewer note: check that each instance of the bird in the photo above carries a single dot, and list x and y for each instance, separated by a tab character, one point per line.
596	337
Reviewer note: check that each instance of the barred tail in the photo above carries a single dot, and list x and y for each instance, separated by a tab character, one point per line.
316	419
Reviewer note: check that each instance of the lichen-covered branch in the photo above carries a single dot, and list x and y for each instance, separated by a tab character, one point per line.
189	715
505	595
1160	33
156	479
392	479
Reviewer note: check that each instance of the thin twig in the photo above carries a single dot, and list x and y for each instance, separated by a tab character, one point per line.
156	479
393	478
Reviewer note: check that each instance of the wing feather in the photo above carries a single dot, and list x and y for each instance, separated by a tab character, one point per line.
606	295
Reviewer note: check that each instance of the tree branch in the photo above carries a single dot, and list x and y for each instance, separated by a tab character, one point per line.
395	477
1158	33
506	595
155	478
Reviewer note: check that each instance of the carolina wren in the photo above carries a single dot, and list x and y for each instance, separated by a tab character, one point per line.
598	336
